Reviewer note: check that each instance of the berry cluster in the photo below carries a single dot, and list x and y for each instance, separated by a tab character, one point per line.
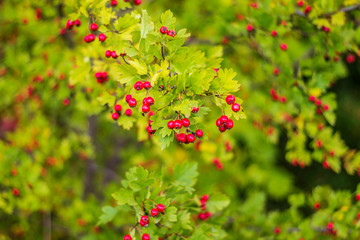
113	54
117	112
70	24
183	137
230	99
218	164
164	30
224	123
307	9
319	105
101	77
276	97
204	215
89	38
136	2
149	128
144	221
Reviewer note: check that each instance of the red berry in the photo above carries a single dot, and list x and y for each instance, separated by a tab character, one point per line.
274	33
277	230
276	71
222	129
194	109
127	237
149	101
145	236
230	99
145	108
283	99
326	107
108	54
312	98
350	58
199	133
150	130
144	219
102	37
190	138
300	3
316	206
205	197
182	139
163	30
115	116
318	143
117	107
171	124
132	102
114	3
13	172
69	24
357	197
178	124
154	212
16	192
249	28
77	22
66	102
223	119
307	9
318	102
128	97
218	123
283	46
128	112
94	27
202	216
171	33
185	122
235	107
138	85
160	207
229	124
147	85
114	55
330	225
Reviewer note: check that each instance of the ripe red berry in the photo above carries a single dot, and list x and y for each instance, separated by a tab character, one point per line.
316	206
127	237
171	33
312	98
205	197
145	236
199	133
229	124
318	143
224	119
138	85
117	107
182	139
77	22
249	28
222	129
128	112
307	10
283	46
147	85
194	109
108	54
148	101
330	225
93	27
318	102
128	97
276	71
202	216
230	99
218	123
69	24
144	219
163	30
277	230
16	192
13	172
114	3
357	197
326	107
114	55
185	122
178	124
132	102
160	207
171	124
235	107
102	37
283	99
66	102
145	108
115	116
300	3
274	33
190	138
154	212
350	58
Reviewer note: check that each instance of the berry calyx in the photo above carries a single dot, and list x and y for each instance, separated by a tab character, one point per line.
132	102
230	99
93	27
115	116
163	30
128	112
235	107
171	124
154	212
194	109
138	86
160	207
185	122
190	138
127	237
199	133
117	107
145	236
145	108
147	85
102	37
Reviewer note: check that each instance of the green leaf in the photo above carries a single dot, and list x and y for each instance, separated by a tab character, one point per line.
106	98
168	19
146	25
217	202
124	196
108	214
170	214
185	175
138	179
139	65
